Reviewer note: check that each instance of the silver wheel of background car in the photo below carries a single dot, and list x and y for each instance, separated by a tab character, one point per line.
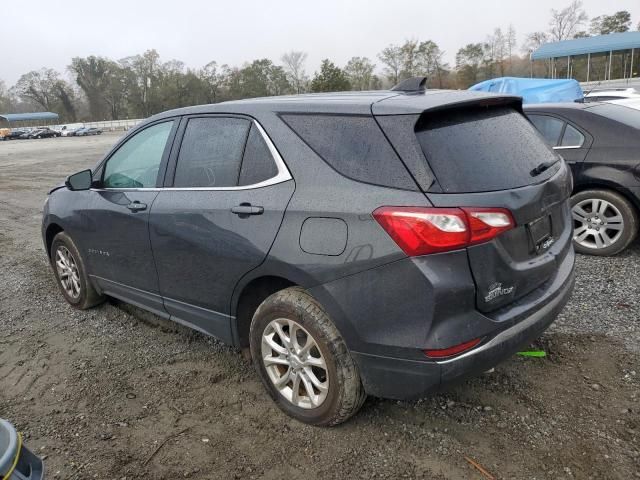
68	272
294	363
597	223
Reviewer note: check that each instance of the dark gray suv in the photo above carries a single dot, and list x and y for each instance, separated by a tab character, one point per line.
381	243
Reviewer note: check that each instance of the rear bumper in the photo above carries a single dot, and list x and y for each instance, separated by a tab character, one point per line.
405	379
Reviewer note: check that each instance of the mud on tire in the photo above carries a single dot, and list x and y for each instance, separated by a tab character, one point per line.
345	394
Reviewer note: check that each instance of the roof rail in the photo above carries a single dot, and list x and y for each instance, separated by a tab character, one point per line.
413	84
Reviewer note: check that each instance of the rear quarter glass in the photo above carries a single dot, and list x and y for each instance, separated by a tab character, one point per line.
354	146
483	149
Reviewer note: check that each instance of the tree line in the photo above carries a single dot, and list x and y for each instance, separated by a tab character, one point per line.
100	88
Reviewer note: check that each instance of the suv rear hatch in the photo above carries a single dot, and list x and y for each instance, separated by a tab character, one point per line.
484	153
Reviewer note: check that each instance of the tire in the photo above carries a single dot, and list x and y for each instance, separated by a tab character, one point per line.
87	296
39	137
343	393
605	223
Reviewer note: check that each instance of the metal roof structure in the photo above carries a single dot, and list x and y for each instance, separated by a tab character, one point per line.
28	117
583	46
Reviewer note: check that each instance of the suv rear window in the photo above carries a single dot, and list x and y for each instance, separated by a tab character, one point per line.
481	150
354	146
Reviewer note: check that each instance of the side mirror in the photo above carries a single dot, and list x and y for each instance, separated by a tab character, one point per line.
79	181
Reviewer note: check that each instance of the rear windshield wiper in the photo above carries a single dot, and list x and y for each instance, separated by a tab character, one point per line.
543	166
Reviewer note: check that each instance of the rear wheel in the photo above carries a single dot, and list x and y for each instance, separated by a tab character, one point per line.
604	222
71	274
303	361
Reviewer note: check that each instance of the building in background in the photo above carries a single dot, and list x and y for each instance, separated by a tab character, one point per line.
612	59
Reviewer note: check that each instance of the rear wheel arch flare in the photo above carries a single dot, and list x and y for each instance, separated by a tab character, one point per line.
252	295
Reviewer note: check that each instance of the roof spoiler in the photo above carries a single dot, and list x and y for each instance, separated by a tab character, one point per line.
413	84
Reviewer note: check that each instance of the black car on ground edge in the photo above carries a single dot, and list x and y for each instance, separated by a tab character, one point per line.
601	143
381	243
43	133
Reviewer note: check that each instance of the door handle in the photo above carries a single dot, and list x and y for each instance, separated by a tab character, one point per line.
136	206
245	209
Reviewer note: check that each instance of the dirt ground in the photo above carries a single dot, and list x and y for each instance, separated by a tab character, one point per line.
115	393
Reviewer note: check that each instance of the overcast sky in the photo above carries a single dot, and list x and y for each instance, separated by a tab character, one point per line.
49	33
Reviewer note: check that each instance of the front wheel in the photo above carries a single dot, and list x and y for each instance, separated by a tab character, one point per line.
71	273
303	361
604	222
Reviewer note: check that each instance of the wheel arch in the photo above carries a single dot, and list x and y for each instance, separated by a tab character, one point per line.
612	187
52	230
249	298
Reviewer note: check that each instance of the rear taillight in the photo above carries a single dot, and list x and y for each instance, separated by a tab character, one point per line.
487	223
424	230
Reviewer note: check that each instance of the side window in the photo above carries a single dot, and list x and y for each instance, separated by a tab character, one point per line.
136	163
257	164
354	146
211	152
572	137
549	127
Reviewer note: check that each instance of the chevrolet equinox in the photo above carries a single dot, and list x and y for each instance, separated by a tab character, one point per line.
381	243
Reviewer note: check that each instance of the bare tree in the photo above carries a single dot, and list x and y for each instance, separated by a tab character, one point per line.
213	79
4	97
392	56
410	59
533	41
46	88
498	43
494	53
510	38
430	62
359	70
469	61
294	67
564	23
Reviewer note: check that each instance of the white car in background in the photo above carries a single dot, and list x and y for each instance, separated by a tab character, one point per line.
603	95
628	102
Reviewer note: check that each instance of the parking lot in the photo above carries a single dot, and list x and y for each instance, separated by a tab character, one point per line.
115	393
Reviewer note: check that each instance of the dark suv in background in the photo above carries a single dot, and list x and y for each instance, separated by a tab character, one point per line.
379	243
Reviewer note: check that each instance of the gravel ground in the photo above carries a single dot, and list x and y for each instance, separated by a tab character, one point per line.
116	393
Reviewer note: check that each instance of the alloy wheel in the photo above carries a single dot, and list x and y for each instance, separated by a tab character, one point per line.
597	223
294	363
67	270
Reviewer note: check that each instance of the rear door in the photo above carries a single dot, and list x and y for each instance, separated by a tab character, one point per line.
487	157
224	198
565	138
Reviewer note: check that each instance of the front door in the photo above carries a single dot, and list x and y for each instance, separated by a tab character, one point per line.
218	218
118	244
